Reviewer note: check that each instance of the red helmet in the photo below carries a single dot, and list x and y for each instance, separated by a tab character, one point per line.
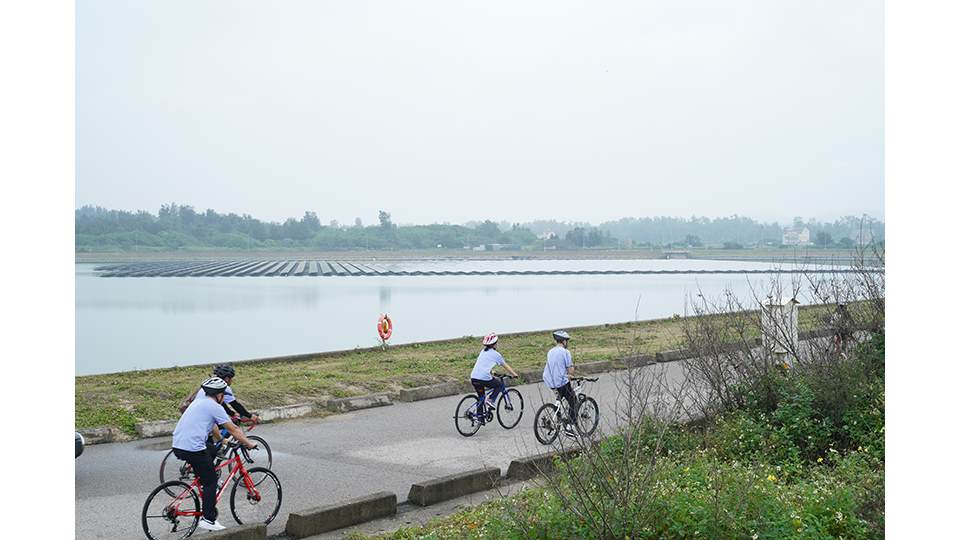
490	339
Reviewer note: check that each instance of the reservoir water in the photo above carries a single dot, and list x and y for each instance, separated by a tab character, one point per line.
125	324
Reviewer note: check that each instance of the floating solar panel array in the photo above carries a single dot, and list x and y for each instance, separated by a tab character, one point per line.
301	267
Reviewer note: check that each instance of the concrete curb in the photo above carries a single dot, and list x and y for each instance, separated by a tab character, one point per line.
358	402
337	516
528	467
531	375
160	428
102	435
635	361
670	356
271	414
420	393
591	368
452	486
243	532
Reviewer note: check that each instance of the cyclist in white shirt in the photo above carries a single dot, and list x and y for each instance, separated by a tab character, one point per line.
481	376
557	373
192	443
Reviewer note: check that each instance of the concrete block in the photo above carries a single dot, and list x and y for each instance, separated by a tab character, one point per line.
241	532
528	467
420	393
453	486
100	435
669	356
336	516
531	466
531	375
592	367
271	414
638	360
359	402
161	428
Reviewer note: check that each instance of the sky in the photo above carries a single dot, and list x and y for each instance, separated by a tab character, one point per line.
440	111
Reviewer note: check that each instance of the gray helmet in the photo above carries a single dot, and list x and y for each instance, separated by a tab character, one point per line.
561	335
224	372
213	386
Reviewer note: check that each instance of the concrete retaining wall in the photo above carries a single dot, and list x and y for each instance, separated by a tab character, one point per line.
432	391
336	516
358	402
453	486
241	532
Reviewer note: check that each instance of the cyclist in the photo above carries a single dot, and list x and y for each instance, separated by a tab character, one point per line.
557	373
191	443
482	378
230	404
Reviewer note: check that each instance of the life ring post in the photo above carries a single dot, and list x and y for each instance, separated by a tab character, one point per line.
384	329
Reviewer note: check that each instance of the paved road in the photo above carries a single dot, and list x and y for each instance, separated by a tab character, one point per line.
326	460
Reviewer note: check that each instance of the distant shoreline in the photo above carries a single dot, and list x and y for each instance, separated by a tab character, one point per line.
784	255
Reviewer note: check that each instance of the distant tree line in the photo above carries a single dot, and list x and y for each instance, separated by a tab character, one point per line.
181	227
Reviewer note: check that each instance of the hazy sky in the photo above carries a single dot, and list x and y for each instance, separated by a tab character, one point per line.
454	111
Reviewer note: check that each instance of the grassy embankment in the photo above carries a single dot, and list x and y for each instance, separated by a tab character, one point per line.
124	399
801	459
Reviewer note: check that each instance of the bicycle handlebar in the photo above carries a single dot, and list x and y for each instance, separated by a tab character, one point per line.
595	379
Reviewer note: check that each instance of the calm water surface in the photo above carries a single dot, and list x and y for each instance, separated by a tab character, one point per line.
137	323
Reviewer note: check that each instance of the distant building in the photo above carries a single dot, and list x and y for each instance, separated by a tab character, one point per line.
796	237
548	235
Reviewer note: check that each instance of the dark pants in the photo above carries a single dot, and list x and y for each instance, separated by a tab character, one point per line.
202	463
481	386
566	392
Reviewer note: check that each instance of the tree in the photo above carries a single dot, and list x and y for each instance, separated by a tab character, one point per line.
358	223
823	239
489	230
385	222
693	240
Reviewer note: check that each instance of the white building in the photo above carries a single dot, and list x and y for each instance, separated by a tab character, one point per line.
796	237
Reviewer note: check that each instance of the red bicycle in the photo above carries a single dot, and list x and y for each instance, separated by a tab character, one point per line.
255	497
172	468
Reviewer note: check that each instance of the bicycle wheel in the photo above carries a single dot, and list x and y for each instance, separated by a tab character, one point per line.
509	418
466	416
546	423
162	517
173	469
588	415
259	503
261	457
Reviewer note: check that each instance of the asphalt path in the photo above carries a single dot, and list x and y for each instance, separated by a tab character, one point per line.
326	460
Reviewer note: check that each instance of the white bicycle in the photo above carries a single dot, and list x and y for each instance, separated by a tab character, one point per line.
549	420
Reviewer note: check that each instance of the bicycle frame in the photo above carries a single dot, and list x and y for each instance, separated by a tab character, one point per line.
576	392
486	396
235	464
224	434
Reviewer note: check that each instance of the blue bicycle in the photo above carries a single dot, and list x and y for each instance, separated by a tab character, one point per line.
509	408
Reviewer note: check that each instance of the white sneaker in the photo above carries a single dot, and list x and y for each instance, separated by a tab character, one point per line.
211	525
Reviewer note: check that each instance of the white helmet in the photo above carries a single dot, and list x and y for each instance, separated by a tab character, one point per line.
560	335
490	339
213	386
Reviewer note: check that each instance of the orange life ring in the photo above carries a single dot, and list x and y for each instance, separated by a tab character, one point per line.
385	327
